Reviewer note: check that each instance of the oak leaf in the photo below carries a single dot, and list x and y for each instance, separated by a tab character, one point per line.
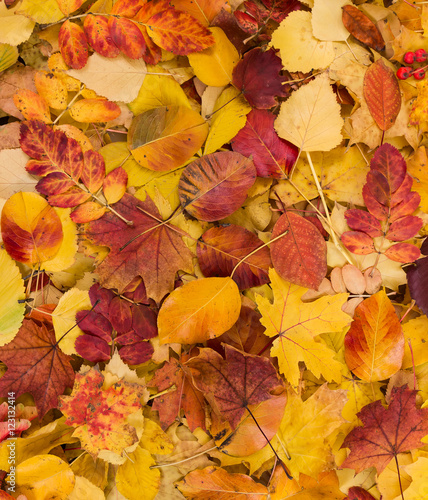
386	432
36	365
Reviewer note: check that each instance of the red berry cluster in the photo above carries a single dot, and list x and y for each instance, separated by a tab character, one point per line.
417	56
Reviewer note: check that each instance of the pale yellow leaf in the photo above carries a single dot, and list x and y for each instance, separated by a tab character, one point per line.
13	176
327	20
214	66
310	118
416	332
118	79
45	12
228	120
85	490
299	49
8	56
418	488
14	28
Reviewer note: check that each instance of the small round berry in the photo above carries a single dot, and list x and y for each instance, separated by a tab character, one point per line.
420	55
419	74
409	57
404	72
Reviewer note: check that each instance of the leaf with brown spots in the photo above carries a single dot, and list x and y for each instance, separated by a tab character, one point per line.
35	364
73	45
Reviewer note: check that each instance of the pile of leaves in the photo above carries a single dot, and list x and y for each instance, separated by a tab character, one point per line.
214	256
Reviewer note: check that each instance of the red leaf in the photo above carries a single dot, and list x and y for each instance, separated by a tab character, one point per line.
214	186
358	493
359	220
360	26
388	161
73	45
144	321
417	279
379	187
279	9
35	364
54	183
246	22
127	36
94	170
373	206
120	315
407	206
127	8
98	35
404	228
94	324
257	75
386	432
221	248
382	95
301	255
137	353
272	156
92	348
69	199
403	191
357	242
403	252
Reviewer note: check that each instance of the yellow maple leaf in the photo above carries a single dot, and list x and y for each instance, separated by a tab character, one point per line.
296	325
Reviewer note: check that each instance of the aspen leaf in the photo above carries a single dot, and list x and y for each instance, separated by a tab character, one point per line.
41	12
8	56
299	49
327	20
14	28
310	118
199	310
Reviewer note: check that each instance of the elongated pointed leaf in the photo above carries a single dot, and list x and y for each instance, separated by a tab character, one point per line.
73	45
362	28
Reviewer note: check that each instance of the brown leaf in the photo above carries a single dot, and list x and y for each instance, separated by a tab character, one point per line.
360	26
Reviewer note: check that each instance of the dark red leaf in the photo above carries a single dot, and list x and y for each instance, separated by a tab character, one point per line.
144	321
94	324
373	206
417	279
135	354
379	187
404	228
120	315
92	348
359	220
389	162
358	493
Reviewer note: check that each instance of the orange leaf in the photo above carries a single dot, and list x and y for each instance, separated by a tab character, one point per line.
374	345
114	185
203	11
31	229
360	26
98	34
32	106
127	36
357	242
94	111
300	256
73	45
87	212
94	171
214	483
382	94
179	32
51	89
69	6
403	252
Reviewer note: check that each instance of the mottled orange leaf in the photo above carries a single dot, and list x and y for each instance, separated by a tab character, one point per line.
52	89
87	212
35	364
362	28
358	242
127	8
382	94
94	170
127	36
31	229
179	32
166	137
403	252
114	185
359	220
69	6
386	432
94	111
73	45
374	345
32	106
214	186
98	35
100	414
215	483
300	256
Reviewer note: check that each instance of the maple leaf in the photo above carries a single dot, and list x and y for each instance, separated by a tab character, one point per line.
36	365
148	248
386	432
233	383
100	414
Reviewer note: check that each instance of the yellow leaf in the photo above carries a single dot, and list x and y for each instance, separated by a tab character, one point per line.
11	290
415	331
166	137
135	476
154	439
214	66
52	89
67	251
14	28
118	79
95	470
302	441
64	318
156	91
85	490
44	476
296	324
327	20
310	118
200	310
94	110
228	120
417	168
299	49
8	56
45	12
418	488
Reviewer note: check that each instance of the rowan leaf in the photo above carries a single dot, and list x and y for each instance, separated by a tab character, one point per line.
388	161
374	345
359	220
215	482
300	256
36	365
166	137
73	45
98	35
95	110
147	248
199	310
310	118
382	94
32	106
386	432
295	326
100	413
362	28
214	186
114	185
53	90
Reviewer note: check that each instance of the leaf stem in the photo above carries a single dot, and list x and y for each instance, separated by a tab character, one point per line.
399	477
184	459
